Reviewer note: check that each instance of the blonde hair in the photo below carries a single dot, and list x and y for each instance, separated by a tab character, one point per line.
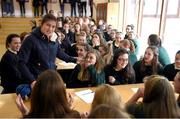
159	98
99	66
105	94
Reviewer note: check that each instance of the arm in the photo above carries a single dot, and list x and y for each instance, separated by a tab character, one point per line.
63	56
136	96
98	78
24	56
73	77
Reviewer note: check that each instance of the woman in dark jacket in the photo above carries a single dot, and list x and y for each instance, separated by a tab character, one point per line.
40	49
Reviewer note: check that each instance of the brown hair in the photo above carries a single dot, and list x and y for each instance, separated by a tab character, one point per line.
48	97
159	98
48	17
155	61
82	75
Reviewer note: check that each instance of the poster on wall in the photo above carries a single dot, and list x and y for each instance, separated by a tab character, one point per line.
53	1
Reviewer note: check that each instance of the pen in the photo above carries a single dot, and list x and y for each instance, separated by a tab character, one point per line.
88	93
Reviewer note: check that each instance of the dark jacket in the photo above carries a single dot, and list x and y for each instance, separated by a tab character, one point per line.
119	76
148	71
37	54
10	74
170	71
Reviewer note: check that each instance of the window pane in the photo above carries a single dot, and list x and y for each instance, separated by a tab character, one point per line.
150	7
172	7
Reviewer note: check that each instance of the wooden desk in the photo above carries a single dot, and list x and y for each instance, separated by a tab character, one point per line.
61	65
8	107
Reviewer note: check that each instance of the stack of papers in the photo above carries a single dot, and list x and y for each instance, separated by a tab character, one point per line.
86	95
135	89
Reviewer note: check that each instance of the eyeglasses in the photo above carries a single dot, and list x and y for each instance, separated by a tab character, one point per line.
122	59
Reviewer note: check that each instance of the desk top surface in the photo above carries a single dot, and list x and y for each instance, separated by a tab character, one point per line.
8	107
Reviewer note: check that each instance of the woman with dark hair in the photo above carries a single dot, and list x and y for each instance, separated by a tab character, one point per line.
120	71
10	74
40	49
49	98
170	70
148	65
154	40
158	100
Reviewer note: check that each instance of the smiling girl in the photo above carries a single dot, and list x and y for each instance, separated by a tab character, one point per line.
148	65
89	72
120	71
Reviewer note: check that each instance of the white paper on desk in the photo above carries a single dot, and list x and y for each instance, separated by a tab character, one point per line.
86	95
134	89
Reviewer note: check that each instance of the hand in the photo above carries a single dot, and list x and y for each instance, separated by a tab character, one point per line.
112	79
21	106
140	92
70	99
79	60
32	84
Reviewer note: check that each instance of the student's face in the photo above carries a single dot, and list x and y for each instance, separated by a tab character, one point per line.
102	51
113	34
177	83
81	39
96	39
77	27
91	59
122	61
15	44
148	56
66	26
118	37
81	51
177	60
128	29
48	28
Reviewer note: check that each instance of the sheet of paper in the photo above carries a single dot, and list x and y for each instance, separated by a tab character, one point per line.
86	95
134	89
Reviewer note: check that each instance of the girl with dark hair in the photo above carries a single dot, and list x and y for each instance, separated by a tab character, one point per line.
49	98
120	71
40	49
10	74
148	65
163	57
170	70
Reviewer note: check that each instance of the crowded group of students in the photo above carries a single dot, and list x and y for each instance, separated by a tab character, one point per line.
104	57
